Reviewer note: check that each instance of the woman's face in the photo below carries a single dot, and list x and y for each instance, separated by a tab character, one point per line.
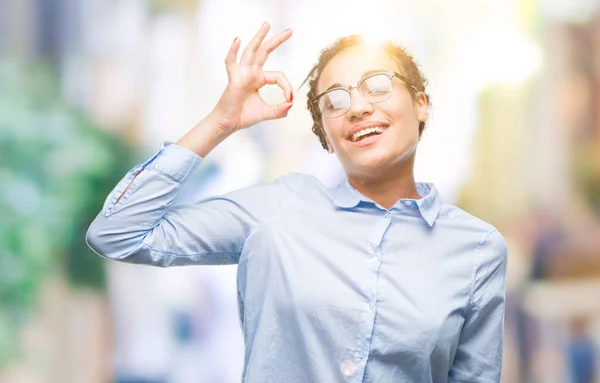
398	116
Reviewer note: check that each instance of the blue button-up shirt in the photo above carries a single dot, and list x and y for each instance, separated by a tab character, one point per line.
332	287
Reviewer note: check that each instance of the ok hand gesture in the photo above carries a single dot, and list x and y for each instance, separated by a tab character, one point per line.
240	105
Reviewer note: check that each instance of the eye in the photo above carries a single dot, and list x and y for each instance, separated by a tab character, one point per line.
335	99
377	84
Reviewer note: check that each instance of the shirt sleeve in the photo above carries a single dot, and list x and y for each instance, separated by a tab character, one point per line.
479	353
144	227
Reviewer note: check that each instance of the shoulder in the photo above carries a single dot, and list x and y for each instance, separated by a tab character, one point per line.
465	220
286	187
306	183
487	235
282	187
294	181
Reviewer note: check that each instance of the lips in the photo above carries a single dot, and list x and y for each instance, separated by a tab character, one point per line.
369	140
360	135
366	133
365	125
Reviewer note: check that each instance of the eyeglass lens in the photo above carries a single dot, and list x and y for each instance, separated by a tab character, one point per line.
376	88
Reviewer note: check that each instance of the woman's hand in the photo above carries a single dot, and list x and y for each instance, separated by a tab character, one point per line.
240	105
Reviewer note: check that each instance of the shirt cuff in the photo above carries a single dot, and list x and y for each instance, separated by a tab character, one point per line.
175	161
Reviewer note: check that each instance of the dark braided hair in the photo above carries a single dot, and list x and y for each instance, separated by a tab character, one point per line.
404	60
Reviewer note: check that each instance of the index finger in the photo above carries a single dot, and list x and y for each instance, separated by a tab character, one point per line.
275	77
270	45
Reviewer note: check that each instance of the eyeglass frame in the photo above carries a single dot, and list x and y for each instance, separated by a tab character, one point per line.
389	74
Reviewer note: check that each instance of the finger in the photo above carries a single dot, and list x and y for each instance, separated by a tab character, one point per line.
231	57
249	51
282	81
270	45
279	110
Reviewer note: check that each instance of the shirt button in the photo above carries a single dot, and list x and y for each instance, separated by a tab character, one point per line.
387	215
408	203
347	368
372	305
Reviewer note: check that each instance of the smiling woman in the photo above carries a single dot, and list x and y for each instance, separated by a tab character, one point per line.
377	139
374	280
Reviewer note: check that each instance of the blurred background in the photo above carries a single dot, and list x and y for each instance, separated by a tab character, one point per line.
89	88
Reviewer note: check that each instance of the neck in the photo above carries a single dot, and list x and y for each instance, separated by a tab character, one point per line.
386	187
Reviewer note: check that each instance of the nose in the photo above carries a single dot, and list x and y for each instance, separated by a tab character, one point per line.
359	107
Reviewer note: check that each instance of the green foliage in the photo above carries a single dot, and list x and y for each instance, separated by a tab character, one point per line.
56	169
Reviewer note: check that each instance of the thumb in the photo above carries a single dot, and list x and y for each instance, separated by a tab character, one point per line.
280	110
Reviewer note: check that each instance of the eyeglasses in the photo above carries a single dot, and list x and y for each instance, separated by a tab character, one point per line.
374	88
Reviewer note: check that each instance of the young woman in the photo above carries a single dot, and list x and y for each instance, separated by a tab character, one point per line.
375	280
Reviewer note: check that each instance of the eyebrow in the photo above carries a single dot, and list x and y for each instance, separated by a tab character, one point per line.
363	76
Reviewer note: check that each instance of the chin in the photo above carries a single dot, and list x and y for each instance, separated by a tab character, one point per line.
368	163
390	155
371	165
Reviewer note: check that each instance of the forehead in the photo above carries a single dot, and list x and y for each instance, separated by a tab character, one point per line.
347	66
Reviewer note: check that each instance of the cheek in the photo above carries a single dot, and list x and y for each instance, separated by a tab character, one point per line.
332	130
406	113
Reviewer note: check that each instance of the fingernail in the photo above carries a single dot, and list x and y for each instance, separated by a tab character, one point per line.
291	98
288	107
234	40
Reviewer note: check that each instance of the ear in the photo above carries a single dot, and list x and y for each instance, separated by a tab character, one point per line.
422	106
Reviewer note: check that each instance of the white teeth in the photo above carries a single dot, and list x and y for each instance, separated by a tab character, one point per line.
363	132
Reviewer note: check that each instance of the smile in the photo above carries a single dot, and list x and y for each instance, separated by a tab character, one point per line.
368	132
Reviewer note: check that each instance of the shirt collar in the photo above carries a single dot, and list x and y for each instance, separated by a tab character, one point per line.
429	206
430	203
346	196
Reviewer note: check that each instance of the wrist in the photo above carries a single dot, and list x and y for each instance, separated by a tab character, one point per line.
204	137
216	120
